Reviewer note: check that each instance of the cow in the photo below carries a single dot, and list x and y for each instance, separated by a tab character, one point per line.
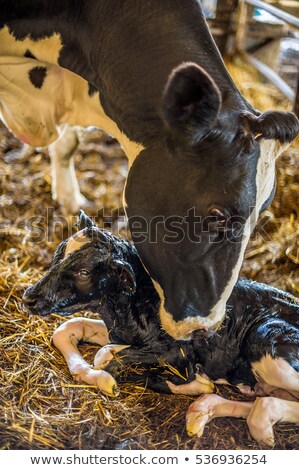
256	349
201	158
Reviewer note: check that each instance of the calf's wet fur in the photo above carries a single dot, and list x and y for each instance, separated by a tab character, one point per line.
255	349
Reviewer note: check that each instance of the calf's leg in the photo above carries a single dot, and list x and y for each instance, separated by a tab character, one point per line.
141	366
208	407
276	377
107	354
261	415
66	339
115	357
267	411
200	385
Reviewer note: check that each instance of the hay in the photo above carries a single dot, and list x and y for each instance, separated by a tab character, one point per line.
41	407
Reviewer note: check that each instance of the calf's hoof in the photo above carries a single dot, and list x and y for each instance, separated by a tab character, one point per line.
195	423
106	383
99	378
200	412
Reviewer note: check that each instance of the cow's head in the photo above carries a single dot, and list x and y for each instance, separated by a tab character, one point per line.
88	269
193	197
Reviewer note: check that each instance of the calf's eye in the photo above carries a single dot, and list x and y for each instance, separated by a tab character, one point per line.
83	273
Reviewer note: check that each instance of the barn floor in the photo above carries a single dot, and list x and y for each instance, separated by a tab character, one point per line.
40	405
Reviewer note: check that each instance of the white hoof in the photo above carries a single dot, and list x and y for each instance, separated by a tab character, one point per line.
200	412
99	378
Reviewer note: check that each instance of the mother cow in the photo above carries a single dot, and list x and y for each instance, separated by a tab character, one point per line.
202	160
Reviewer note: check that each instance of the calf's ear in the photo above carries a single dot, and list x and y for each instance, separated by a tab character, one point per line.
191	101
84	221
126	276
277	125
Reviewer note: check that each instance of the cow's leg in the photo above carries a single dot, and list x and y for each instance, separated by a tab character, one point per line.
65	186
66	339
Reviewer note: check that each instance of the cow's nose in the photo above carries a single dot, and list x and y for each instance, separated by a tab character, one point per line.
29	301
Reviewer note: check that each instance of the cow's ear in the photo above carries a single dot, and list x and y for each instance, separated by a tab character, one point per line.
191	100
84	221
277	125
126	276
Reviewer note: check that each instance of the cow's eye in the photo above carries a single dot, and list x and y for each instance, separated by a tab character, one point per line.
84	273
218	216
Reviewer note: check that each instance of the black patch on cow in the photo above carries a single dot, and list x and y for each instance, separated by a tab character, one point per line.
91	89
29	54
37	76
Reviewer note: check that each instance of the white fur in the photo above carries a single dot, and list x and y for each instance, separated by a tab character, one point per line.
276	372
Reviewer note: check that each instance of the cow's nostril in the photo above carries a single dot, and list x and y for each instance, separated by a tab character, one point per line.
29	301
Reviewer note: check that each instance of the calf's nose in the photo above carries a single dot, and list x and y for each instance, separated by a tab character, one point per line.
28	298
29	301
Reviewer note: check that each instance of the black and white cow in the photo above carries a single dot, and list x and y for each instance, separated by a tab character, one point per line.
201	159
256	349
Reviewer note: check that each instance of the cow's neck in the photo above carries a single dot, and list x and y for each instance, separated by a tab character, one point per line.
137	55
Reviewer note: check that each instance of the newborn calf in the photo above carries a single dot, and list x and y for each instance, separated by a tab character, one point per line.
256	348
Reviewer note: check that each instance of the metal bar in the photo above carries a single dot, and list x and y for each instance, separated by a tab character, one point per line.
272	76
287	17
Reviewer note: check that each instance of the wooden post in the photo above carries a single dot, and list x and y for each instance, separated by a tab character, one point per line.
223	24
244	12
296	104
224	10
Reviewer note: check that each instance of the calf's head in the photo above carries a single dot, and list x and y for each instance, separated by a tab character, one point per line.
88	269
194	195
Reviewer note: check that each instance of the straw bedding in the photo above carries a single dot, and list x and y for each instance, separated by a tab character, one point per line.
41	407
